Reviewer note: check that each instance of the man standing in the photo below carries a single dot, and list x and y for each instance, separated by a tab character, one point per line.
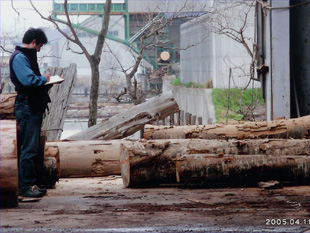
31	102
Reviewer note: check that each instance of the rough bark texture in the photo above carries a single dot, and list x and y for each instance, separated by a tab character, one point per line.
60	95
241	170
7	102
49	173
131	121
8	164
292	128
86	158
53	152
46	166
154	162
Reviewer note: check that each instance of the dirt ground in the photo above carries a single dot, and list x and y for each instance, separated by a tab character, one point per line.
104	205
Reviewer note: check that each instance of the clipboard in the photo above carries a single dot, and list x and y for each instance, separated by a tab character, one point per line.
55	79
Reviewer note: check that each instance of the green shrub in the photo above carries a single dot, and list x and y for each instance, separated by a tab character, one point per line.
176	81
189	84
239	102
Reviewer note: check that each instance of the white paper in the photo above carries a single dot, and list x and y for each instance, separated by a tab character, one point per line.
55	79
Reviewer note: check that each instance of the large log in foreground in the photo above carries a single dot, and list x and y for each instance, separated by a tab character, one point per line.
7	102
293	128
241	170
94	158
8	164
131	121
153	162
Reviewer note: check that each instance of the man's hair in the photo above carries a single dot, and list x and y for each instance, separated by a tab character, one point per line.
35	34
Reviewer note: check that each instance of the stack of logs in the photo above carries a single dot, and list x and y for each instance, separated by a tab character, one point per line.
210	155
219	155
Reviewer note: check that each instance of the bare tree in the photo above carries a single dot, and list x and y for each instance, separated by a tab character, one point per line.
93	59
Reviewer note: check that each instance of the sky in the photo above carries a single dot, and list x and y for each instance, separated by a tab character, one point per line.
14	23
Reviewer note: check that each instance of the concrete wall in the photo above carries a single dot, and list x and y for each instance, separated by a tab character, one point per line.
195	101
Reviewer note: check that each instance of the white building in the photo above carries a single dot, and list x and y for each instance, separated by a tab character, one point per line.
210	55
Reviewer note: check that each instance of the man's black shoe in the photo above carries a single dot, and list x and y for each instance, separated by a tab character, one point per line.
42	190
31	192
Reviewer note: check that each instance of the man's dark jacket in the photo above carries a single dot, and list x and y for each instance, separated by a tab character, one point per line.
37	96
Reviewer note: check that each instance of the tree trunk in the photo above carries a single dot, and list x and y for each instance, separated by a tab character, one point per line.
241	170
60	95
7	102
131	121
94	61
87	158
154	162
8	164
94	93
292	128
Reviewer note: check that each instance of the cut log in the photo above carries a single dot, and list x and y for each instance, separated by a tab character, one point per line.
241	170
293	128
148	163
46	166
125	124
60	95
8	164
53	152
7	102
153	162
86	158
49	174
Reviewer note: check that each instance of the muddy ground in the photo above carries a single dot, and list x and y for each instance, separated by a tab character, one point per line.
104	205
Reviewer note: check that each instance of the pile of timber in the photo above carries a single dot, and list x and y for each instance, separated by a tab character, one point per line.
229	161
237	155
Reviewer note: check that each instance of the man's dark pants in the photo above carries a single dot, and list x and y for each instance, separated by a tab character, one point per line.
28	140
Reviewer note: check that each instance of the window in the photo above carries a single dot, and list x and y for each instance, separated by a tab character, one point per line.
113	33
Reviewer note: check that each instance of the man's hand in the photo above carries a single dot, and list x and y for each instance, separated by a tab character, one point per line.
47	75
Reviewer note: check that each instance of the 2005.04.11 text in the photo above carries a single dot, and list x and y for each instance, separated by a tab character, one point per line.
287	222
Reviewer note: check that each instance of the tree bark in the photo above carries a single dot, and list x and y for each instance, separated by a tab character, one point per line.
131	121
46	166
53	152
8	164
7	102
86	158
49	174
154	162
241	170
293	128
